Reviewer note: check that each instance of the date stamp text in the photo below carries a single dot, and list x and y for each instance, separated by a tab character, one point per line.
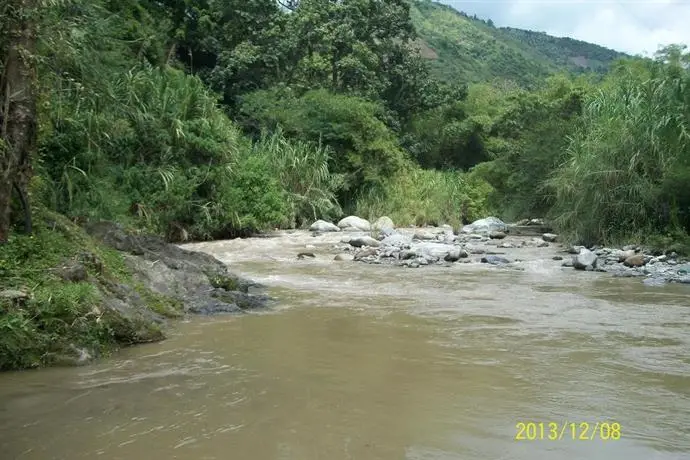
577	431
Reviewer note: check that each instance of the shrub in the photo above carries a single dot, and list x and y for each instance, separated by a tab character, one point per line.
427	197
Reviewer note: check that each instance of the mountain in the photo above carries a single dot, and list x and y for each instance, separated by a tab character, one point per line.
470	49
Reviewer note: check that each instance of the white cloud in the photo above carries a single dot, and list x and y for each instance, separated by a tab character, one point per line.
624	25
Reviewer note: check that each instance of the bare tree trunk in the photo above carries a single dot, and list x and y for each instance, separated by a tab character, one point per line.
18	116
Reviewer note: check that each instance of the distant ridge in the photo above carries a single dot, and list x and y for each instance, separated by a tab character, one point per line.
471	49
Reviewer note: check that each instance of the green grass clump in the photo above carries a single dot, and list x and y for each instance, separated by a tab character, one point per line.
55	317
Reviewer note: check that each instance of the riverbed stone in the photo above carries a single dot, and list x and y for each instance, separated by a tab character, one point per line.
494	260
362	241
455	254
637	260
397	240
344	257
365	253
497	235
354	223
472	249
383	222
584	259
433	251
424	235
549	237
406	254
324	227
485	226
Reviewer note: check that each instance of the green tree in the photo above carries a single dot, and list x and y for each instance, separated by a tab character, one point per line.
528	143
18	117
365	150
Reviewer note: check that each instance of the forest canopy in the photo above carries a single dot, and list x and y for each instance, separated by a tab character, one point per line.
197	119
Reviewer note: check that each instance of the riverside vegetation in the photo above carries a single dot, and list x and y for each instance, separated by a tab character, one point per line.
196	120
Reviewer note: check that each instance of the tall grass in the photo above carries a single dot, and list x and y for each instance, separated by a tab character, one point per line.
302	170
155	150
628	165
427	197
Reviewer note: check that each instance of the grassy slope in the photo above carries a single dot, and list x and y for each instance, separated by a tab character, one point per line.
57	320
470	50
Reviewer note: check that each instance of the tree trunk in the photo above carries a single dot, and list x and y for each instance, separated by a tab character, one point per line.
5	202
18	116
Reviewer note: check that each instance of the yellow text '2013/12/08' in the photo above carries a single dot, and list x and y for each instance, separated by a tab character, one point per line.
577	431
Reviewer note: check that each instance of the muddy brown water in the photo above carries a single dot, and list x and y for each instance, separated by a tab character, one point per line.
373	362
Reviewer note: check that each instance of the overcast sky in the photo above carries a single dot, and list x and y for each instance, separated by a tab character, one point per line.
632	26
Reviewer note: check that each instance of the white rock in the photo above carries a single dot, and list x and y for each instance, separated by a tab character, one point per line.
383	222
323	226
486	225
549	237
354	223
585	259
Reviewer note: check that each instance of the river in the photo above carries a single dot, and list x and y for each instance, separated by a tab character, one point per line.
375	362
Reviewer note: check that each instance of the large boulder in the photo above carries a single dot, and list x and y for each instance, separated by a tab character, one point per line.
433	250
383	222
323	226
486	225
585	260
354	223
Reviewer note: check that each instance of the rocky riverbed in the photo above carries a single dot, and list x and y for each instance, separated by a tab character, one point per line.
493	242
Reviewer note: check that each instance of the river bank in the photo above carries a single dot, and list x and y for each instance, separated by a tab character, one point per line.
70	295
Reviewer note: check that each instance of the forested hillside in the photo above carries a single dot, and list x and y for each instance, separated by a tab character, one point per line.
474	50
194	119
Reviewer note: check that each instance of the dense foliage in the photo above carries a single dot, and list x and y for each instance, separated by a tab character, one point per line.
329	107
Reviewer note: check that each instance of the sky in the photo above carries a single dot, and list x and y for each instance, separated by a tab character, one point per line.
631	26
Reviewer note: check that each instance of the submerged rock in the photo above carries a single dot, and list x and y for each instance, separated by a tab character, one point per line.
494	260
